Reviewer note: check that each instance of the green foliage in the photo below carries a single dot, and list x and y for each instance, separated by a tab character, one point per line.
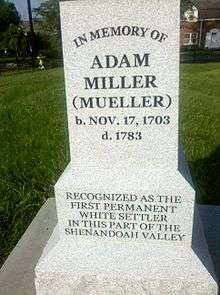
14	39
8	15
48	23
185	4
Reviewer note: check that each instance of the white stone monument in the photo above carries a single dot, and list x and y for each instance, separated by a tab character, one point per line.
125	202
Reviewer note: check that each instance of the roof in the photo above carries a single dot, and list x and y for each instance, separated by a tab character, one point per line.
208	8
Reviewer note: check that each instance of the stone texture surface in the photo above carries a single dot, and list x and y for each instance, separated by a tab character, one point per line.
160	141
89	267
142	182
111	157
17	274
151	166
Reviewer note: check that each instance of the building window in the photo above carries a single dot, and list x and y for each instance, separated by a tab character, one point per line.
214	37
190	39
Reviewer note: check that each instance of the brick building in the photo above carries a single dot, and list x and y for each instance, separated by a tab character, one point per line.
205	32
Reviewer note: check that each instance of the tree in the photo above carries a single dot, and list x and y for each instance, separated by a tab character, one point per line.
185	4
8	15
15	40
48	22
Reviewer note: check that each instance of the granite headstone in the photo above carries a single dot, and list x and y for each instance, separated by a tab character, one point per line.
125	202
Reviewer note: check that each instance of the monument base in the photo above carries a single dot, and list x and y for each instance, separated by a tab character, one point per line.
103	268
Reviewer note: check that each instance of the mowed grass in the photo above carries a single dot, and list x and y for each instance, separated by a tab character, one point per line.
200	127
34	148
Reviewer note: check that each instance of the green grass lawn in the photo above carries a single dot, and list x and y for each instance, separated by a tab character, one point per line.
34	148
200	127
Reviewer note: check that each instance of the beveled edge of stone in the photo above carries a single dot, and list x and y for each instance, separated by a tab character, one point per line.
17	273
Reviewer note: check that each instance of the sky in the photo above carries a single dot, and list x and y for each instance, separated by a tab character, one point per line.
21	6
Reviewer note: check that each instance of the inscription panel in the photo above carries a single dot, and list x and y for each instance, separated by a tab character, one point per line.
122	89
121	73
124	216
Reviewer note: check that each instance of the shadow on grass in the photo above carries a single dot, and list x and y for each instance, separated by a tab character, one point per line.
206	174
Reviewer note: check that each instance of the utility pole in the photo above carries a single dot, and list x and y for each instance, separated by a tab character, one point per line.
33	47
